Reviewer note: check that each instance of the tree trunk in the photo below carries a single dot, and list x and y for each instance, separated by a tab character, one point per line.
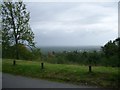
15	34
16	47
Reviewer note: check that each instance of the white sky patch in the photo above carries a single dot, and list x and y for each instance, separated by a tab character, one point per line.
74	23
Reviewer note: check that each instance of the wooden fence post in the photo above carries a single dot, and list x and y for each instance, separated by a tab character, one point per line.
42	65
14	62
90	68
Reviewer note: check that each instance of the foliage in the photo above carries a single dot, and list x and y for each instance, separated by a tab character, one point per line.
15	27
37	55
111	53
108	56
110	49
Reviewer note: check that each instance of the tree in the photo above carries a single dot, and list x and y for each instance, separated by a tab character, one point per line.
118	44
15	26
110	49
111	52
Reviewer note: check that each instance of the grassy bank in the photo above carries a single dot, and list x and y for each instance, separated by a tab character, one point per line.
101	76
0	64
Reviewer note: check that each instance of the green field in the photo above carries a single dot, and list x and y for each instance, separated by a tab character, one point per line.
76	74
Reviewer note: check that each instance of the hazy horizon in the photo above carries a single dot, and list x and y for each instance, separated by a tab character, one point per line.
69	46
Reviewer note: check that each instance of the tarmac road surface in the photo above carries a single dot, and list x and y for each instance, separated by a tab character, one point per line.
0	80
12	81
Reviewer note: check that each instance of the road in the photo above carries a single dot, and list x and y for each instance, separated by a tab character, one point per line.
12	81
0	80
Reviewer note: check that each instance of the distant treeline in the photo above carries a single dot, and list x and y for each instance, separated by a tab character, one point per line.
107	56
57	49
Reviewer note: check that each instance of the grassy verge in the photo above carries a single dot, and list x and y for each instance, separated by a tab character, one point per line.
0	64
101	76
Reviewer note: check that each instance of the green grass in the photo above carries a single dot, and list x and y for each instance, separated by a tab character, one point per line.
76	74
0	64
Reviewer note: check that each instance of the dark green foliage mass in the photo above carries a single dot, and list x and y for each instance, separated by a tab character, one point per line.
16	31
107	56
110	49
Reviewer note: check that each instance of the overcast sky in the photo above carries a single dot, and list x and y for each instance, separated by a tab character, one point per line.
73	23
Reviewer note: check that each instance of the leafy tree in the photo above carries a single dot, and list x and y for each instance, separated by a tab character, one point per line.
117	41
111	53
110	49
15	26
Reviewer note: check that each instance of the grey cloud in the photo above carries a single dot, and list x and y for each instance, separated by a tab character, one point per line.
73	23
